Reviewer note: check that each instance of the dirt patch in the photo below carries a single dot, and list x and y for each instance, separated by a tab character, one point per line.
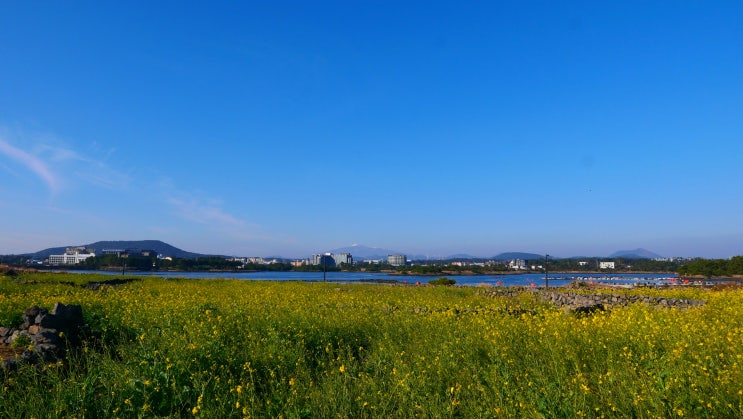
109	283
7	352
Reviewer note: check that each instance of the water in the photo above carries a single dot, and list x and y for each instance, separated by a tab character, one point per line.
524	280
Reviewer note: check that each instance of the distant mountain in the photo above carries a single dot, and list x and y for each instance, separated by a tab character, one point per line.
519	255
462	256
635	254
156	245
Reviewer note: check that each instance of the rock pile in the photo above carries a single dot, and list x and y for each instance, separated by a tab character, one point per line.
43	337
576	300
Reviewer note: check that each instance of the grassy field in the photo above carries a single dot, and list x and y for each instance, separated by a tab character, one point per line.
228	348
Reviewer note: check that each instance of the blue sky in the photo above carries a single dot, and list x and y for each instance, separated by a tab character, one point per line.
289	128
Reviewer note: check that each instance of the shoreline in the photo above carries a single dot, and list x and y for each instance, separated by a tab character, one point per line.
388	273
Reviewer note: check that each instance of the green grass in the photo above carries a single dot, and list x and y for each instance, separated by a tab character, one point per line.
227	348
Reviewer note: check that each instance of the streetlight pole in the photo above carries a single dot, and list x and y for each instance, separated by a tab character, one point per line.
324	266
546	274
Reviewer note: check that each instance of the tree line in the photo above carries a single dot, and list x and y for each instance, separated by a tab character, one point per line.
713	267
151	263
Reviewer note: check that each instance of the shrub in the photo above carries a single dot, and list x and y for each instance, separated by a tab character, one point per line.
442	281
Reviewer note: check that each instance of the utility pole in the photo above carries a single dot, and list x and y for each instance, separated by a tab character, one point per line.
324	265
546	274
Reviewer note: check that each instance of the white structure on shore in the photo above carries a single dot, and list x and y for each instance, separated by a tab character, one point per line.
72	256
606	265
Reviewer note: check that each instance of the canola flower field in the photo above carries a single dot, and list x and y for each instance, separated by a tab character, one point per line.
230	348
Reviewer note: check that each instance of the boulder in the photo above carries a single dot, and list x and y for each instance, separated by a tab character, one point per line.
44	330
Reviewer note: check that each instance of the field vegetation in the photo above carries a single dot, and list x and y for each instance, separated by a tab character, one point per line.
230	348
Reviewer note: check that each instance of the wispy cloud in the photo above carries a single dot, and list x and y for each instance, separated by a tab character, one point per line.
32	163
87	169
208	211
203	211
57	165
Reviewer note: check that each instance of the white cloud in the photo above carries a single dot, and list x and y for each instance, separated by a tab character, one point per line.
59	166
32	163
87	169
203	211
232	231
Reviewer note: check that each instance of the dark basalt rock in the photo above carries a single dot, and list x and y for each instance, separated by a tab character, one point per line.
43	336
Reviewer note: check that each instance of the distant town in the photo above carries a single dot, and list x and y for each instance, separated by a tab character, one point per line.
83	257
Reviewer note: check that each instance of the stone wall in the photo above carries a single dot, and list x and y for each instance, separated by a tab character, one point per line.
572	299
577	300
43	337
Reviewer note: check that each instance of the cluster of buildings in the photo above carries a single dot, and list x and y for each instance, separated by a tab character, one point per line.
330	259
254	260
336	259
72	256
601	265
674	259
75	255
325	259
520	265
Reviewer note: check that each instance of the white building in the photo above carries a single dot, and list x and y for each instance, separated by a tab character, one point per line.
245	260
606	265
72	256
397	260
518	264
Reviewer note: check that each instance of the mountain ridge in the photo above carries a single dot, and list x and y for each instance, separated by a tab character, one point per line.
158	246
359	252
519	255
638	253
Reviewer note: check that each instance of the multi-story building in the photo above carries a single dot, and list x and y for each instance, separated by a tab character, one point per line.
117	252
331	259
343	258
517	264
317	259
129	252
606	265
72	256
397	260
246	260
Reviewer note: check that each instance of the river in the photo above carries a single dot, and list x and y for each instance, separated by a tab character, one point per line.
556	279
